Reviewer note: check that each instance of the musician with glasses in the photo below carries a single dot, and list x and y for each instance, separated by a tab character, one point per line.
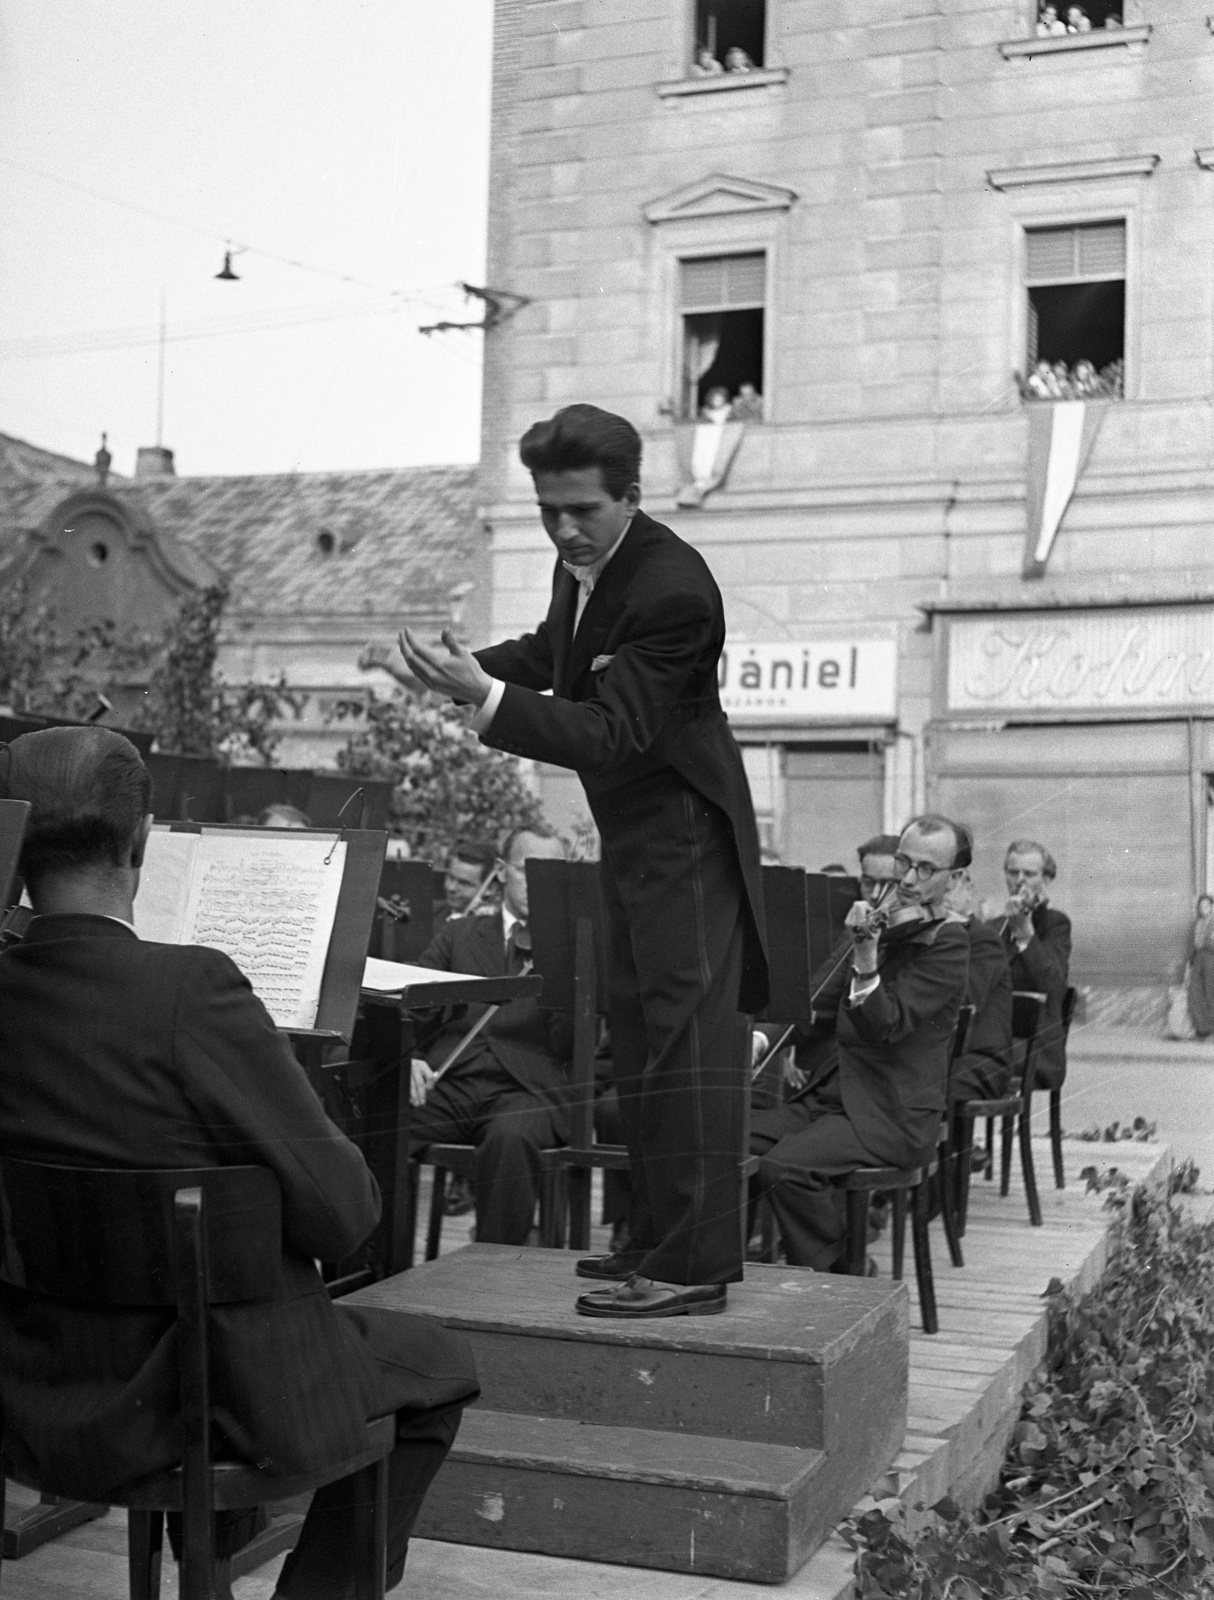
1037	938
507	1092
892	1003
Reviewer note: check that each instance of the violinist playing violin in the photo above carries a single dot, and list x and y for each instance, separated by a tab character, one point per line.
507	1090
892	1001
1038	940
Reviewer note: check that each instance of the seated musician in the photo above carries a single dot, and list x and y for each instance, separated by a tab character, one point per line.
893	1002
121	1052
469	865
1038	943
984	1070
507	1092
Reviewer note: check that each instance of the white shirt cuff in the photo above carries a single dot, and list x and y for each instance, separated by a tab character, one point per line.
862	985
486	713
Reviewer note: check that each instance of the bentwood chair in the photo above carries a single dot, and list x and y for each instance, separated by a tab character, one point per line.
192	1239
902	1183
1068	1014
1014	1112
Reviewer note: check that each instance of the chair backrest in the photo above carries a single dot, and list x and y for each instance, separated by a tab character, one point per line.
961	1033
1027	1008
106	1237
1068	1009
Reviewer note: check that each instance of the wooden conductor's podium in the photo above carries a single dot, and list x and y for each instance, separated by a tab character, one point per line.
804	915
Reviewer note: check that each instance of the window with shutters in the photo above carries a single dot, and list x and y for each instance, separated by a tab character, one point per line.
730	35
722	302
1075	312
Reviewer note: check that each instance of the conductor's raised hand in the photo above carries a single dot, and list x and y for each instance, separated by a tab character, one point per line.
386	659
451	670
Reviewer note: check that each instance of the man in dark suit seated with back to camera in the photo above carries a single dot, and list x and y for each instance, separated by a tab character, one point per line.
508	1091
893	1005
118	1052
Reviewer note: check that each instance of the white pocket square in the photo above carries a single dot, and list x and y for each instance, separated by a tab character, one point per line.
601	663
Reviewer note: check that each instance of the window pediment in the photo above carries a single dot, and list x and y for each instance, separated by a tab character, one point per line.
719	196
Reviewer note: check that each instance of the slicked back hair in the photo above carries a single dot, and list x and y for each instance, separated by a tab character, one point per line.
88	791
585	436
881	844
1028	847
476	853
936	822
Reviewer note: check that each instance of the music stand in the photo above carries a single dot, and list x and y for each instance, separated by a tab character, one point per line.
416	885
341	981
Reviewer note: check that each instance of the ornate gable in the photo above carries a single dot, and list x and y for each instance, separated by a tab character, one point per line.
718	196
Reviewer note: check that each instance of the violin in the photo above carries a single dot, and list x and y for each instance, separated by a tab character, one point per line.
1023	903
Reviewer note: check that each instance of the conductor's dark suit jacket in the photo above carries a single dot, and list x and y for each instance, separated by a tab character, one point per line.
986	1067
894	1046
655	624
119	1052
1044	965
533	1047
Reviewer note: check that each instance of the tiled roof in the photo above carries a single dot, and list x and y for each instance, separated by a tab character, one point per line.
32	483
398	540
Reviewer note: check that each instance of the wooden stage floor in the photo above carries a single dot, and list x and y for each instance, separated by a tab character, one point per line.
964	1389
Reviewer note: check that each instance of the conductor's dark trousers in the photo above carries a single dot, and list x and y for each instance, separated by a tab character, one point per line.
674	902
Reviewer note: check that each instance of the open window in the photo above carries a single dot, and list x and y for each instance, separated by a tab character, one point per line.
725	26
1063	17
722	300
1075	312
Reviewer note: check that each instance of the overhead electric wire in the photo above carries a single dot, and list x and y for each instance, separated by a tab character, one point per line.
236	245
39	346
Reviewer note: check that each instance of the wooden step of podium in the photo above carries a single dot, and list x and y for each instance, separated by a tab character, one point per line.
724	1508
726	1445
797	1358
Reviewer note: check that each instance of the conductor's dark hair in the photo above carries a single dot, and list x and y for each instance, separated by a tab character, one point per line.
1028	847
934	822
88	791
881	844
585	436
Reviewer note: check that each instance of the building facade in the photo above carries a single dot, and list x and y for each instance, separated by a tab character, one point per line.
965	264
317	565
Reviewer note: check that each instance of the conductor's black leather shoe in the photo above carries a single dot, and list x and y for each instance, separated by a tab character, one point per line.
642	1297
613	1268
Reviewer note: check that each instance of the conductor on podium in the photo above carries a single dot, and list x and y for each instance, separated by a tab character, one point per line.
629	650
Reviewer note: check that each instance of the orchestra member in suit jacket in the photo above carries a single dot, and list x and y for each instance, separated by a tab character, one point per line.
629	650
984	1070
508	1091
119	1052
895	1005
1038	941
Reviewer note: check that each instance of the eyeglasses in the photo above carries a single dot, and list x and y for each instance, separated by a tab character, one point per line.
923	870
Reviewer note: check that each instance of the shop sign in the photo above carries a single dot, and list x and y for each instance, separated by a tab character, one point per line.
836	679
1123	660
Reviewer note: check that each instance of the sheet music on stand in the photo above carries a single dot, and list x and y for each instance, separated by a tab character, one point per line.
283	905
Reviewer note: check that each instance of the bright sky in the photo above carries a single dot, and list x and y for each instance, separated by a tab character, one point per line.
351	135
